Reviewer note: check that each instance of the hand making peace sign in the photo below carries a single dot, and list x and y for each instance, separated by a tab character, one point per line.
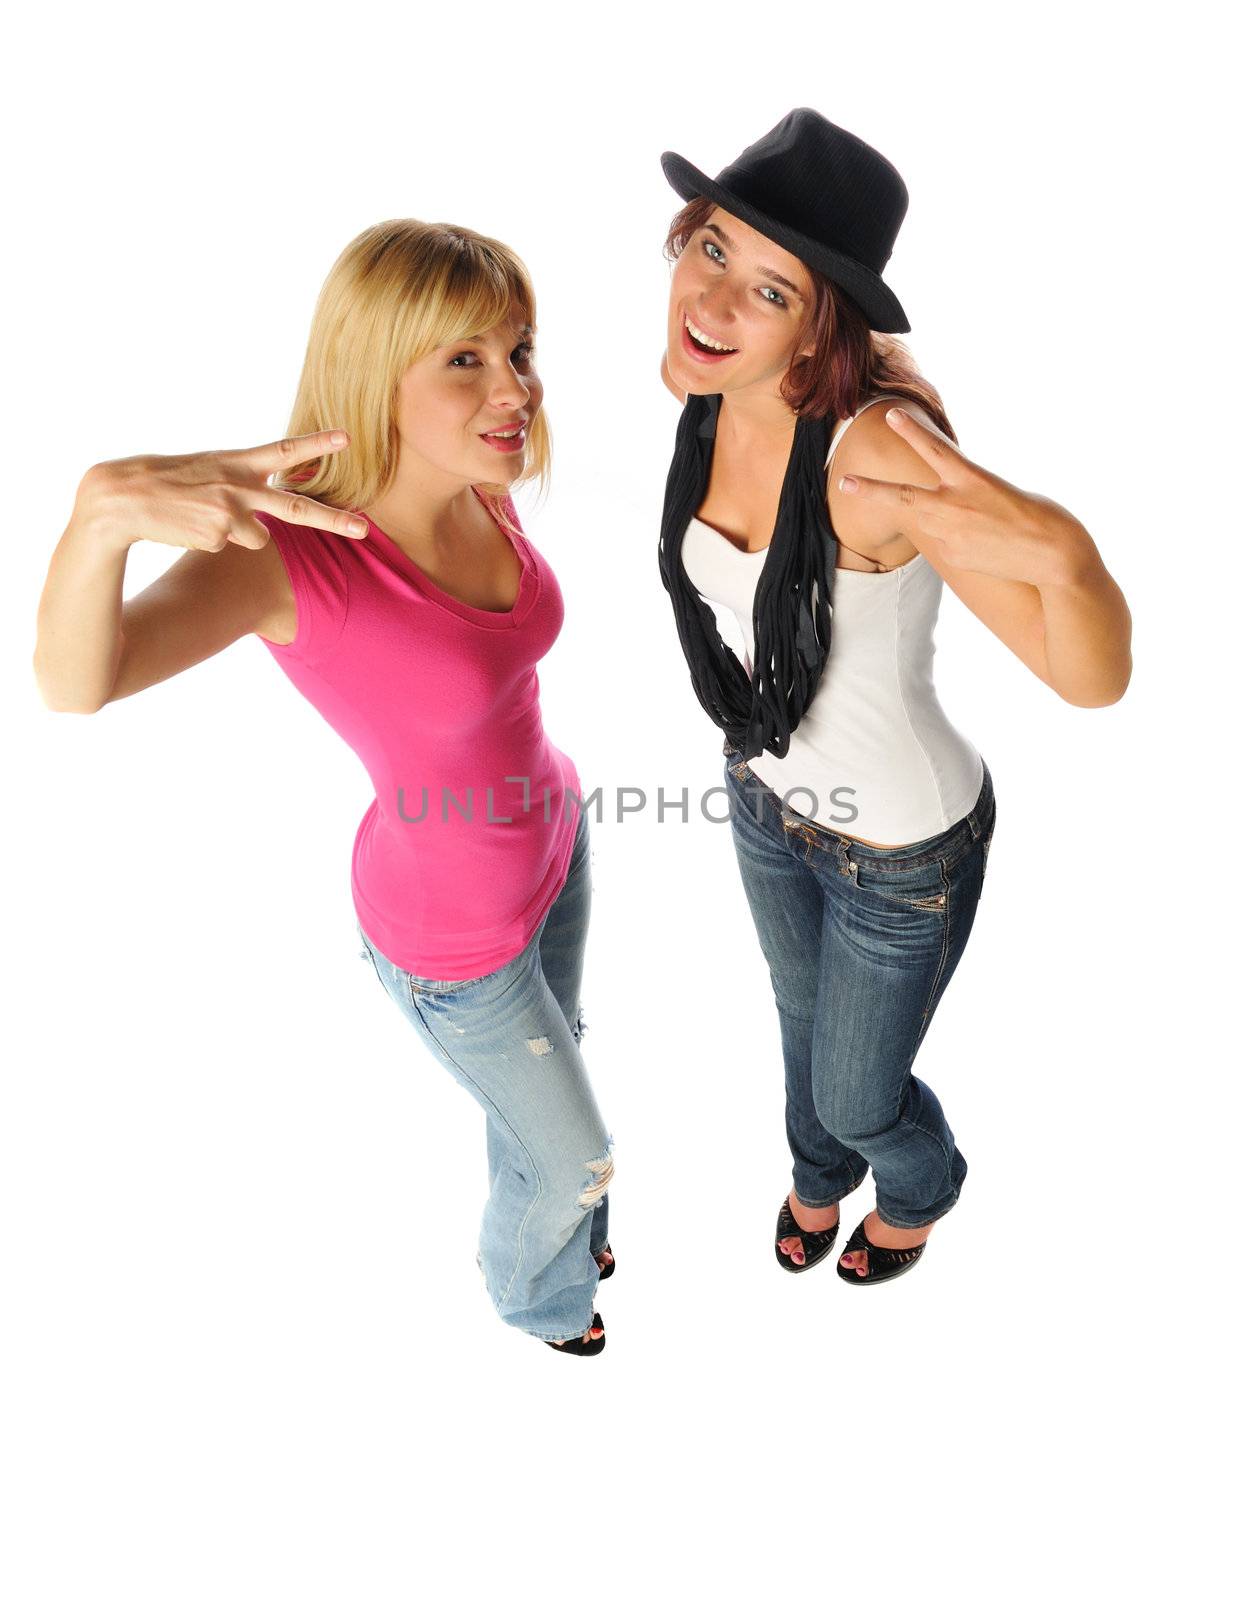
207	500
976	520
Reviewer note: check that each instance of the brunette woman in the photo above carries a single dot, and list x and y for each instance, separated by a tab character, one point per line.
816	493
388	577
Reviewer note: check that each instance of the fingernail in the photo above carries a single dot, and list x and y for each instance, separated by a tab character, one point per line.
848	485
337	438
894	412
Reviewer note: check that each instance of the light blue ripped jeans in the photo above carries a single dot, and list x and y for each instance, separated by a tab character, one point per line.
512	1039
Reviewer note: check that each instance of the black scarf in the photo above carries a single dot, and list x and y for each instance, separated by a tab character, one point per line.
792	603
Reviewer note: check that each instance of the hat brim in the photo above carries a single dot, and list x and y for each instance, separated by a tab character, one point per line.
867	289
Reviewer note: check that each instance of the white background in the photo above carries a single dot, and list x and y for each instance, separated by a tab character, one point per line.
248	1351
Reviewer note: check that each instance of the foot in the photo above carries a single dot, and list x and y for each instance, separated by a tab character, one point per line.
880	1233
810	1219
604	1258
590	1333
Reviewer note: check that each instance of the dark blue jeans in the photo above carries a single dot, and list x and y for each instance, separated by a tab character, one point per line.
861	944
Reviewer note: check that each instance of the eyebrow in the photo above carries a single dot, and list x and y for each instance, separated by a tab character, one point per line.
766	272
476	338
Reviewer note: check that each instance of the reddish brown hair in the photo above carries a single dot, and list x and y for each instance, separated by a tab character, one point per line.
850	362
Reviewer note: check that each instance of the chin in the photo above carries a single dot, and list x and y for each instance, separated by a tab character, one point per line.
693	380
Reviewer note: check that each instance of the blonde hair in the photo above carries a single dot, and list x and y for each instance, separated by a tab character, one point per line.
399	290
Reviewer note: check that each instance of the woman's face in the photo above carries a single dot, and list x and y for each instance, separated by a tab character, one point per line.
453	403
739	289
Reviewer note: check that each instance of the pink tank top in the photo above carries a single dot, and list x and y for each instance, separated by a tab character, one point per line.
468	838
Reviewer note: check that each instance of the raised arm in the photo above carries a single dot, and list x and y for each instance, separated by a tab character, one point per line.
1027	568
91	647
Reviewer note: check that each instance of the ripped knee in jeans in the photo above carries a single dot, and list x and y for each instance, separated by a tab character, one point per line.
602	1171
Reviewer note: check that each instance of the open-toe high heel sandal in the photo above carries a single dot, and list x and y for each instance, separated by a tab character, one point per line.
582	1346
605	1272
881	1261
814	1245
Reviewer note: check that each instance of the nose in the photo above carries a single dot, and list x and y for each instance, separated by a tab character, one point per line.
716	306
510	389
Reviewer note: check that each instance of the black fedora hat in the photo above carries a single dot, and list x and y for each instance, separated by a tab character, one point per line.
822	194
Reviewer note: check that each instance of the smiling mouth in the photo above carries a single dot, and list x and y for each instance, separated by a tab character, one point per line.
704	341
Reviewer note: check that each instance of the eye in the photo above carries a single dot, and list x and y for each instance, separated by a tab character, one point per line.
521	354
717	256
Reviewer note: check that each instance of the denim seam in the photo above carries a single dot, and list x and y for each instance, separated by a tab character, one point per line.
949	858
818	1205
927	1134
888	1224
896	898
923	1021
940	970
564	1336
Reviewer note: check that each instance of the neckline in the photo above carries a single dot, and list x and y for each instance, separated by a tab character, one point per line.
475	614
838	430
854	572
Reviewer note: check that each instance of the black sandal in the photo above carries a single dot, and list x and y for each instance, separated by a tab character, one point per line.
881	1261
582	1346
605	1272
814	1245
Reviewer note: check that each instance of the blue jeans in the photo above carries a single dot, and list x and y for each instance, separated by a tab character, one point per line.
861	943
512	1039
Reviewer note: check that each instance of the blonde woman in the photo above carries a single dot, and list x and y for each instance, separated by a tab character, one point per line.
387	575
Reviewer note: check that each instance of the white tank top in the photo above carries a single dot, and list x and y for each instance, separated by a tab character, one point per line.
874	756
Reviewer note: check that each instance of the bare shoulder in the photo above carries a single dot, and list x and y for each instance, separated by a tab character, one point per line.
1007	607
871	447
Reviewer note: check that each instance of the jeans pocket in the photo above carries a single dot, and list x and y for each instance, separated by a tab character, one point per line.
923	887
434	988
428	987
